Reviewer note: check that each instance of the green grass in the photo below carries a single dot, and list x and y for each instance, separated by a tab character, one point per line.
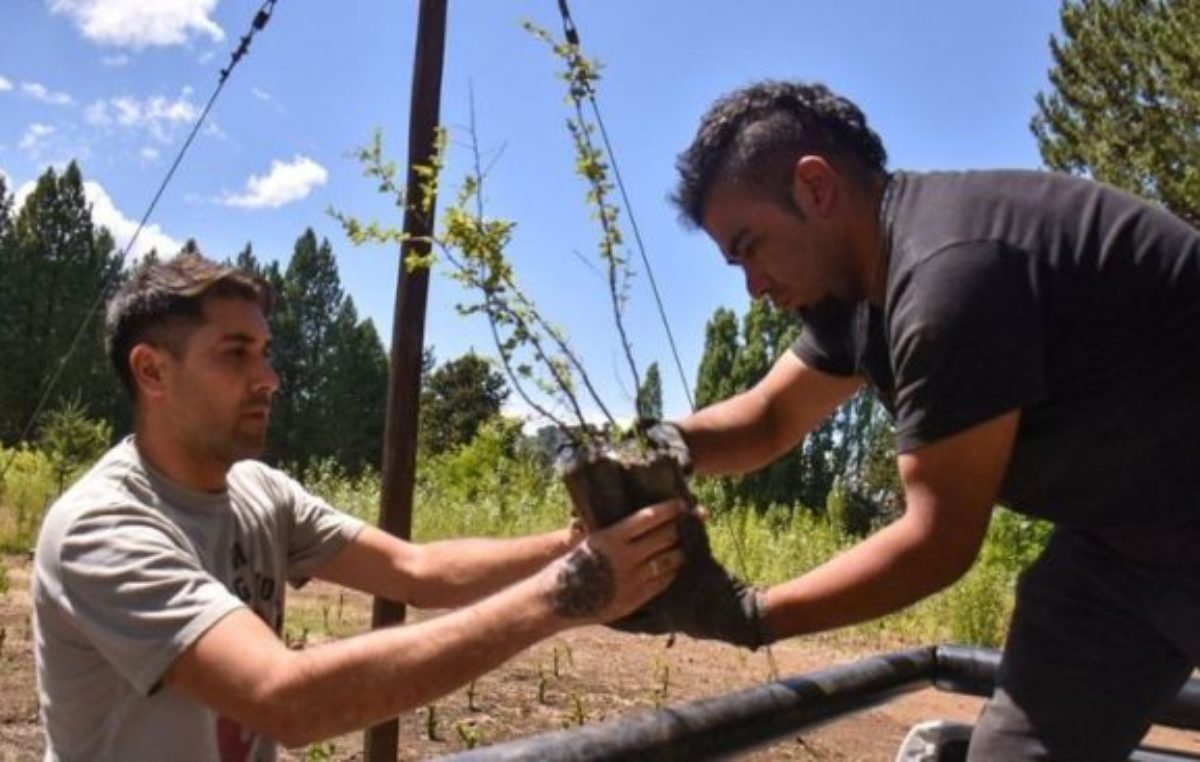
27	489
485	490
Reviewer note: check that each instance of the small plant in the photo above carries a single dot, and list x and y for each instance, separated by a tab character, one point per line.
295	640
320	752
556	661
431	723
662	691
541	691
541	365
577	716
468	733
471	694
609	471
72	440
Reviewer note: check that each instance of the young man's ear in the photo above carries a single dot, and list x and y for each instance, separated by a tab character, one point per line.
148	366
814	185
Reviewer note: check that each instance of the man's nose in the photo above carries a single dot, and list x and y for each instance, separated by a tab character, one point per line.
756	284
268	379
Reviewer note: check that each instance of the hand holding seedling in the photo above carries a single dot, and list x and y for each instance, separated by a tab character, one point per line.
617	569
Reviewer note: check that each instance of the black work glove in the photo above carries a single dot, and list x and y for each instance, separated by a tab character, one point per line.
705	601
668	437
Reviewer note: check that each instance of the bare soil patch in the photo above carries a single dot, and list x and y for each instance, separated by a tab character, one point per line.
589	675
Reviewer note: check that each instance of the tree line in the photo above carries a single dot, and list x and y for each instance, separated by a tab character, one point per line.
59	268
1123	107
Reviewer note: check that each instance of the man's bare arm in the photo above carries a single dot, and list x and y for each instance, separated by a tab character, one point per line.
240	669
752	429
441	574
950	487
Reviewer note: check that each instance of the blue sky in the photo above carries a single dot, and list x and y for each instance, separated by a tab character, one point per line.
116	84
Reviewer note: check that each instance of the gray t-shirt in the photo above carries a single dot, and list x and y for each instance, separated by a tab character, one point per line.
1072	301
131	568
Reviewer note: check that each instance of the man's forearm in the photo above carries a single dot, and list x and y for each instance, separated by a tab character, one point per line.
459	571
892	569
330	689
731	437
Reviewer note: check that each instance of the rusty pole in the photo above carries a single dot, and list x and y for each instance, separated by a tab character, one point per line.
408	331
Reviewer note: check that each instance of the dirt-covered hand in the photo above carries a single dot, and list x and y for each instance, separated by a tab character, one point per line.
619	568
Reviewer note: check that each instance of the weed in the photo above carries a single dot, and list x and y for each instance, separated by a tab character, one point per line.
431	728
320	752
468	733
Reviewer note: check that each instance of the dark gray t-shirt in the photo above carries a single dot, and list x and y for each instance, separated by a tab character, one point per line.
1075	302
131	568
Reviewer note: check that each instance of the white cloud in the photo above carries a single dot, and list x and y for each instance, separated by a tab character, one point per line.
140	23
149	153
23	193
157	114
262	95
284	183
105	213
4	84
38	91
116	61
35	138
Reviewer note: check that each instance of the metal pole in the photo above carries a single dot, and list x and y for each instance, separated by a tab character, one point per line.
738	722
408	331
729	724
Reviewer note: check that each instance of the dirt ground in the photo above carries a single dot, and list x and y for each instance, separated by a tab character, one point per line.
589	675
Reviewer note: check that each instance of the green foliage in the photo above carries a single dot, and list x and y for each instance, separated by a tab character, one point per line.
492	486
1015	540
26	489
72	440
537	358
332	367
1124	106
457	399
355	493
854	445
649	396
56	266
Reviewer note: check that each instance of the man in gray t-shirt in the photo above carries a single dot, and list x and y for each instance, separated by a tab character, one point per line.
159	577
1036	339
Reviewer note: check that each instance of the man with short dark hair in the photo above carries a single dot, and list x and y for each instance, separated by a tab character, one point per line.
1035	337
159	577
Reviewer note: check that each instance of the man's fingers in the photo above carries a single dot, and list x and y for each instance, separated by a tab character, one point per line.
647	519
665	564
657	540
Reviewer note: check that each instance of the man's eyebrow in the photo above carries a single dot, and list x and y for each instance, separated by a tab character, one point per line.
733	250
239	338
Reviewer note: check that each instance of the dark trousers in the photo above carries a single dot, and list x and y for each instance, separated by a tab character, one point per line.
1106	629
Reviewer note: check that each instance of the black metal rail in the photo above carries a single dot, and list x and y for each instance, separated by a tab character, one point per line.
739	722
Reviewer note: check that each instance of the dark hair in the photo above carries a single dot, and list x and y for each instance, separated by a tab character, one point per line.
161	302
756	134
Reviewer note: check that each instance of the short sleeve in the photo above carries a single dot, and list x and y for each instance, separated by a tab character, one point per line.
318	532
967	341
136	593
825	340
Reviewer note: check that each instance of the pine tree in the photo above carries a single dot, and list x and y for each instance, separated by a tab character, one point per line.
649	397
355	392
461	395
1125	103
714	378
309	298
58	268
